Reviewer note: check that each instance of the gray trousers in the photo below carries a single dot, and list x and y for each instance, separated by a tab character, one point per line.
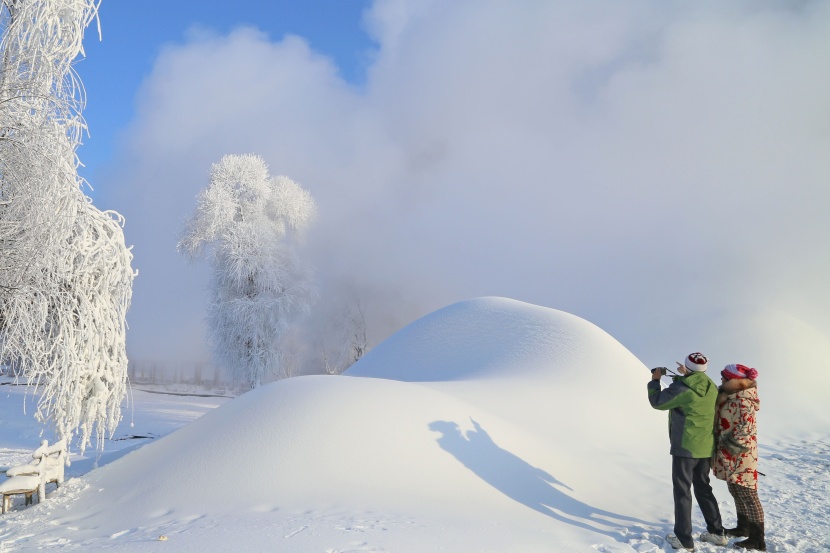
687	474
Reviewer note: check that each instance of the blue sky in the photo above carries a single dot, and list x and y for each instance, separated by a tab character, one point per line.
134	32
658	168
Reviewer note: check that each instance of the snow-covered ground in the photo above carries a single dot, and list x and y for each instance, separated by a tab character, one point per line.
488	426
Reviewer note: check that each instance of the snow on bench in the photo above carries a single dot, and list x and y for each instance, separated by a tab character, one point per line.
48	465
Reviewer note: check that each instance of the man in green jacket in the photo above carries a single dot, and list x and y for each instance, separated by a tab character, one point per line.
690	400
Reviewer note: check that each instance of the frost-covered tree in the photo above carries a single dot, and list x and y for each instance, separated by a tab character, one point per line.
65	275
344	341
249	225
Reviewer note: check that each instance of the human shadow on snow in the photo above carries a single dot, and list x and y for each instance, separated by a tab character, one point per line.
524	483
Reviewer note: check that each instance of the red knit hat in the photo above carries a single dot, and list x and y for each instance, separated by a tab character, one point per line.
695	362
731	372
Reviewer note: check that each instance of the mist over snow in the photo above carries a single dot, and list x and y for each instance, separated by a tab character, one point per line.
658	168
488	425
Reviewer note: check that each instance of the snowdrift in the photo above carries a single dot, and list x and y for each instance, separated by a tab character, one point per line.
490	409
495	338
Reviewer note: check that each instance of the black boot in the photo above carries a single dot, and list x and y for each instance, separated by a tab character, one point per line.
741	530
756	538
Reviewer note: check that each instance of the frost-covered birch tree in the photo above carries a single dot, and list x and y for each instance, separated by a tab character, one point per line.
65	275
248	225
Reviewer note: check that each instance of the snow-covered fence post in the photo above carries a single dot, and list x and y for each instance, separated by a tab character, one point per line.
65	275
248	225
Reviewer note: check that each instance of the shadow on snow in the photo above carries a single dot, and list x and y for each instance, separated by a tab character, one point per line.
524	483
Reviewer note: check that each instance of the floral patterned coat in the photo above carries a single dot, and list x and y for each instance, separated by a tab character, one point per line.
736	452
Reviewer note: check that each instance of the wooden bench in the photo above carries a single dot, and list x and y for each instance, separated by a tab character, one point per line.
48	466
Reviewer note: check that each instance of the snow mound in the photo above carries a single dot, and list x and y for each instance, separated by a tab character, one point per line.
490	409
492	338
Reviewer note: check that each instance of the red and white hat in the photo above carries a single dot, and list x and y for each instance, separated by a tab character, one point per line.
695	362
736	370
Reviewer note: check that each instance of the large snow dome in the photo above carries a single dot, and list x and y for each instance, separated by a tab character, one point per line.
489	408
495	338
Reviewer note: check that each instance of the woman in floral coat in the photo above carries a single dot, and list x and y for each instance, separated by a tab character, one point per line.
736	454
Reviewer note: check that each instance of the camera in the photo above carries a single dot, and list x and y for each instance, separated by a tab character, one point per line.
661	369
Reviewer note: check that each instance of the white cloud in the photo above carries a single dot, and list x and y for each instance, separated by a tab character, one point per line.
652	167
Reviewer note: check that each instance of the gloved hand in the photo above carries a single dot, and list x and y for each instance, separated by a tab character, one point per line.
727	441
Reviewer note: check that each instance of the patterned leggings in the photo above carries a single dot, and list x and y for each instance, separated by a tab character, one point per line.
747	502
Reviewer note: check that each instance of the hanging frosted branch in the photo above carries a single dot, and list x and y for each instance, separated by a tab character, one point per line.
65	274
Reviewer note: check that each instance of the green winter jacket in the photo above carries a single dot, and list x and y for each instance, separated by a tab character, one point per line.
690	401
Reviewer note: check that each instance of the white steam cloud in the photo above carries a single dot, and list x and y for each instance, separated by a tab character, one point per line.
658	168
